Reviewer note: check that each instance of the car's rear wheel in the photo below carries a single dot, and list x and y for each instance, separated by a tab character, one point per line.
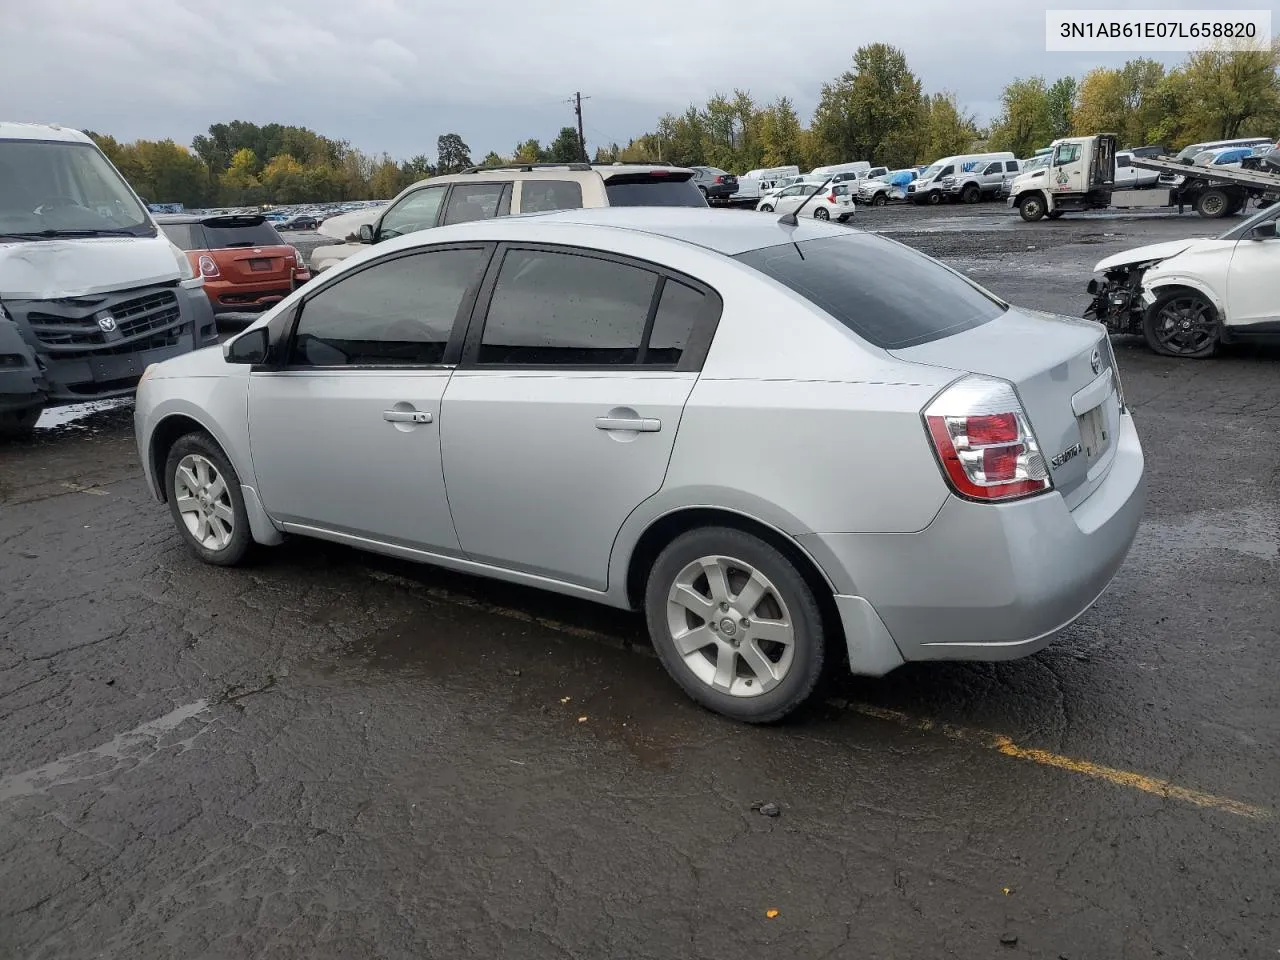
766	208
821	214
19	424
1213	203
971	193
205	500
1182	323
735	624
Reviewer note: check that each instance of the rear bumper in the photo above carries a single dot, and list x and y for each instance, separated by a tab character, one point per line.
226	296
720	191
988	581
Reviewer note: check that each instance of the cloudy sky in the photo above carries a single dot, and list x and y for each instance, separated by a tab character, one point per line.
391	75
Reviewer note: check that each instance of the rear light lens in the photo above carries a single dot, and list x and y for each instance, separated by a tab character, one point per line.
298	259
1115	372
831	198
984	444
208	266
719	179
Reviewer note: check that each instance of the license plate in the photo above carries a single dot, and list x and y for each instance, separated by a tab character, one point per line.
1094	435
262	266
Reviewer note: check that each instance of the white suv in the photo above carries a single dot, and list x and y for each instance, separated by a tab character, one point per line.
479	193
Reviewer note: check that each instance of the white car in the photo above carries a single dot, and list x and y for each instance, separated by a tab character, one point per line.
1187	296
830	201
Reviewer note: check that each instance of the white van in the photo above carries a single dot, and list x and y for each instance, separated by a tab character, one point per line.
91	292
969	176
859	168
754	184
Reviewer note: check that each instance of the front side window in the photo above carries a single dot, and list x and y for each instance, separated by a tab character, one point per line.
562	309
1067	153
417	211
397	312
993	168
540	196
185	236
474	201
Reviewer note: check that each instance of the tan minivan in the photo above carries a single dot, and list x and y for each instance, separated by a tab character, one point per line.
479	193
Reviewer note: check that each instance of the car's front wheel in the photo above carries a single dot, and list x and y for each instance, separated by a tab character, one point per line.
735	624
1182	323
205	500
766	208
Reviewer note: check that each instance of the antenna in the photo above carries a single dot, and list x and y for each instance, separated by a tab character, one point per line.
792	219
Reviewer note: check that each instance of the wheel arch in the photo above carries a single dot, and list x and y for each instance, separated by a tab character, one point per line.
1160	286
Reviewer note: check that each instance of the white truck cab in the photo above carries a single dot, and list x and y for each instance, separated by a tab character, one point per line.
1080	175
91	292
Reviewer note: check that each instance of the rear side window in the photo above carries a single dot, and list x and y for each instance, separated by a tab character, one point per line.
561	309
653	191
1122	160
679	310
476	201
186	236
1011	166
397	312
222	233
888	294
539	196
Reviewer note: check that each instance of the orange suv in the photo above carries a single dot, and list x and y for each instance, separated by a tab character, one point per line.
246	265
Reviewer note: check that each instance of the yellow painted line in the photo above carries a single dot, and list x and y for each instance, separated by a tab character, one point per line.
1113	775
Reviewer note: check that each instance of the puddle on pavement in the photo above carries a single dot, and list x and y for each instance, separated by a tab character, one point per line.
129	749
1252	531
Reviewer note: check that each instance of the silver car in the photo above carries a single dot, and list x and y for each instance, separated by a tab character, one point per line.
791	446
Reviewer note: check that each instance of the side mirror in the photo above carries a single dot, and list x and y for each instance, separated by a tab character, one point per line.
366	233
250	347
1264	231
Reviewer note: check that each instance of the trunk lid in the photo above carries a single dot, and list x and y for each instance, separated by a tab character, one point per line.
1062	371
251	264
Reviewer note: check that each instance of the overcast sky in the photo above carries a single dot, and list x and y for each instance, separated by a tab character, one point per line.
391	75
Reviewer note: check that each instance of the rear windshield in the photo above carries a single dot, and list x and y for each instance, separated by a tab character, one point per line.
242	232
648	191
885	292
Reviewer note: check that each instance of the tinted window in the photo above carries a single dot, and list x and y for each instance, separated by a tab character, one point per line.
396	312
887	293
186	235
417	211
1122	161
558	308
1011	166
993	168
646	191
678	311
226	232
473	201
947	171
537	196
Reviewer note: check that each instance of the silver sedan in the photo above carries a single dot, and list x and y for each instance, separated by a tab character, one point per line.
793	446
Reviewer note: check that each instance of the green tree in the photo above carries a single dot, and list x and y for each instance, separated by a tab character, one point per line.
609	154
284	179
1024	123
870	112
1100	104
452	155
530	151
492	159
386	181
1234	92
1061	97
565	148
947	128
779	132
240	184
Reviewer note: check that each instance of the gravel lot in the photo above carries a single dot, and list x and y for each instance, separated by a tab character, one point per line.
337	755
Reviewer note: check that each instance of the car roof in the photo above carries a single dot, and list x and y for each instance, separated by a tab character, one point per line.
41	131
723	231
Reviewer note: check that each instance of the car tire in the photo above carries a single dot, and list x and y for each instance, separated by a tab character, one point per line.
1213	203
970	194
1182	323
1031	207
204	496
933	198
19	424
878	200
757	665
821	214
766	208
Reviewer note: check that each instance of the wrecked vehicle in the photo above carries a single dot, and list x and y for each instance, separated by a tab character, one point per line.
91	292
1186	297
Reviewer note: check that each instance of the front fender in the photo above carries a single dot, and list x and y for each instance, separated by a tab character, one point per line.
1154	286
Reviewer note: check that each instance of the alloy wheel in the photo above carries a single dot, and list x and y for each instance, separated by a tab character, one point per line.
204	502
1185	325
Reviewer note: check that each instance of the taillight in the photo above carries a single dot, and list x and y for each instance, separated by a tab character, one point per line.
297	256
1115	372
984	443
208	266
831	198
719	179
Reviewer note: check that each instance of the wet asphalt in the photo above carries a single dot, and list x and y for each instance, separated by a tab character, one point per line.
333	755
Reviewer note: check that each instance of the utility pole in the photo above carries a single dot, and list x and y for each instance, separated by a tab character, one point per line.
582	140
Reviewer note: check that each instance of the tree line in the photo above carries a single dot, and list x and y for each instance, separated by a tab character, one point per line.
877	110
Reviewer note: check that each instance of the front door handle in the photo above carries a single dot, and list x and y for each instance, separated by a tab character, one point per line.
406	416
637	424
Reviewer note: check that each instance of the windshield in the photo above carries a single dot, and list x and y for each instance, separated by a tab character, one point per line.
649	191
931	172
887	293
1035	163
1241	230
55	188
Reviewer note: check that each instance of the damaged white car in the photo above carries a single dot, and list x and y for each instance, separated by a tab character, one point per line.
1188	296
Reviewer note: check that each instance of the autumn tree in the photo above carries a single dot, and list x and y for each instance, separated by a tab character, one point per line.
1060	101
1233	92
1100	104
946	128
870	112
1024	123
240	183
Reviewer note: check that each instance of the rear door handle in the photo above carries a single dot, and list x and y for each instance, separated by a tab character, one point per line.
638	424
406	416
